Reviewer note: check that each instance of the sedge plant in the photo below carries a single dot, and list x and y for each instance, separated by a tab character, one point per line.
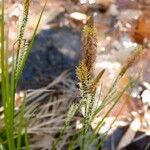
90	104
13	134
88	86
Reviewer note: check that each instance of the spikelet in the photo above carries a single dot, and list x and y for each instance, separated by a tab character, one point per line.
82	72
89	44
24	46
84	69
74	107
137	53
21	43
23	24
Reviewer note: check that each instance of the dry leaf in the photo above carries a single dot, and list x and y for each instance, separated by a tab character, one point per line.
130	134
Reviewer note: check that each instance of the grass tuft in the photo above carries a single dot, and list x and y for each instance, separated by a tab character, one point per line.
9	83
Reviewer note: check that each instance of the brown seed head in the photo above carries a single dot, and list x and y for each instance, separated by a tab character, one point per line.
137	53
89	44
82	72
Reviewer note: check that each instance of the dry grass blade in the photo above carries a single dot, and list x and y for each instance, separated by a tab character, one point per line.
130	133
47	112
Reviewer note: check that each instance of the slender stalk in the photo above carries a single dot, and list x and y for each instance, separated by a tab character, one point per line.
106	133
21	117
83	138
1	145
73	142
84	127
54	146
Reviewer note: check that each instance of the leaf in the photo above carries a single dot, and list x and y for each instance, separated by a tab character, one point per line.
96	81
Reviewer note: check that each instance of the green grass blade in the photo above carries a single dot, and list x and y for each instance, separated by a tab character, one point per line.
106	133
104	103
6	67
12	88
20	128
2	53
73	142
5	87
100	124
115	102
1	145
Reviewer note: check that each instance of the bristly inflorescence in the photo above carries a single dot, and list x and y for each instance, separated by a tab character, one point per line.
88	85
90	104
21	43
85	67
23	23
89	44
136	54
71	113
84	72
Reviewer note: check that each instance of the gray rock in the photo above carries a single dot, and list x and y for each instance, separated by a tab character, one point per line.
54	51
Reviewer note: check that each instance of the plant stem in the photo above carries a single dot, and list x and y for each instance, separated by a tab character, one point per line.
83	139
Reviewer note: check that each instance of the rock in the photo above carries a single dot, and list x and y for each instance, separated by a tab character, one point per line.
54	51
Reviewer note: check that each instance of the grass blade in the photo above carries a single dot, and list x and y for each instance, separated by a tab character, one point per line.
20	129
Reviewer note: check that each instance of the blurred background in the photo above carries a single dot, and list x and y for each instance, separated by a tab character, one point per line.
121	26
